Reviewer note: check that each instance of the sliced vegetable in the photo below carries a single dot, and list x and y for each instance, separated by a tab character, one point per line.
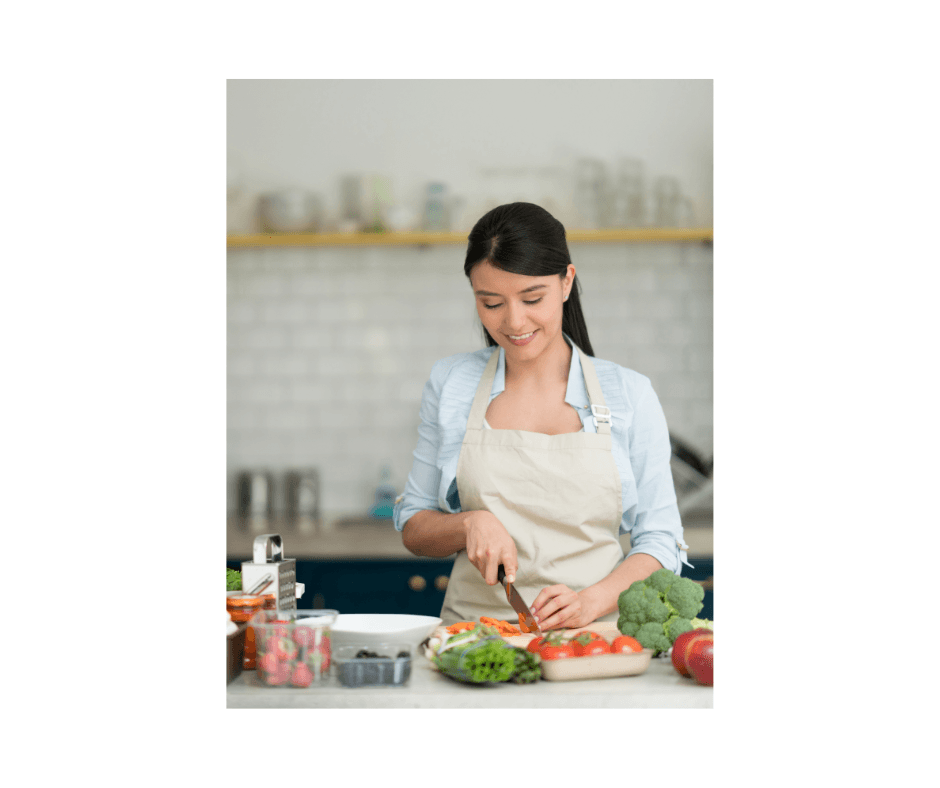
461	626
503	627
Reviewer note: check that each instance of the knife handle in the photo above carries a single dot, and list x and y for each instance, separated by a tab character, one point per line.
501	574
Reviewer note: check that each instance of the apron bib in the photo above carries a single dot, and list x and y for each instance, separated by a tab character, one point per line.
558	496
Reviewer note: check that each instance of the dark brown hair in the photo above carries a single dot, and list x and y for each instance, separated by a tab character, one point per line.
523	238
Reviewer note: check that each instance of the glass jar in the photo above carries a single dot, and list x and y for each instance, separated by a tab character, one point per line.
242	607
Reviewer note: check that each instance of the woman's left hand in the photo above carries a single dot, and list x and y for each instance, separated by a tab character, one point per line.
558	607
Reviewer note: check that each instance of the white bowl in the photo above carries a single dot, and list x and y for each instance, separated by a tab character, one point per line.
370	629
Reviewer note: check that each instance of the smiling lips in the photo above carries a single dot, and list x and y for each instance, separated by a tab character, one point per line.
522	339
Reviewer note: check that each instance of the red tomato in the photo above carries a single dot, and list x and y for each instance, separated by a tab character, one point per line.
624	644
535	644
557	651
582	640
595	647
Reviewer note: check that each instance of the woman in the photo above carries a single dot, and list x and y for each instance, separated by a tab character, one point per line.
531	453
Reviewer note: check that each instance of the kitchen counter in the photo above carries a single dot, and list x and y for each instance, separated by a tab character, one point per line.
344	537
660	687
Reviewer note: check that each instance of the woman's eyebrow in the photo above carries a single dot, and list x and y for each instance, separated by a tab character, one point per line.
487	293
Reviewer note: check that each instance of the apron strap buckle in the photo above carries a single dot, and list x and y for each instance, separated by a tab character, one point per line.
601	414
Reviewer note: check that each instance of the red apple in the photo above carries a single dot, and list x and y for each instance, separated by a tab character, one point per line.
702	661
680	649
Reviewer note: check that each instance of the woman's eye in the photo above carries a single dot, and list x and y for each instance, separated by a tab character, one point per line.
532	302
491	306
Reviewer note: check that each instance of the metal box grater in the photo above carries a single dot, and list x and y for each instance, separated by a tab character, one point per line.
267	553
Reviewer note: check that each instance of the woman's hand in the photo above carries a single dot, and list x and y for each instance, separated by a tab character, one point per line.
489	545
558	607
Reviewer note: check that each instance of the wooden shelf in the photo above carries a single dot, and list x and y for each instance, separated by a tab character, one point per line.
641	235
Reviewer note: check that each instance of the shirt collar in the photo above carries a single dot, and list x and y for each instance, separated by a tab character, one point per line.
575	394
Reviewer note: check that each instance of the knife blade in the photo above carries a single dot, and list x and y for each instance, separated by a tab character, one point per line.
516	601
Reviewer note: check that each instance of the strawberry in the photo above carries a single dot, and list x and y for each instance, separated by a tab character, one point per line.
280	676
301	676
268	663
270	645
319	656
285	648
304	636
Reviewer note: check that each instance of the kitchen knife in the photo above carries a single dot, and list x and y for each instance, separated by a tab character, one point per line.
516	601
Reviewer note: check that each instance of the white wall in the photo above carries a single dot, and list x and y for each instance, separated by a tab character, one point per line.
329	348
309	132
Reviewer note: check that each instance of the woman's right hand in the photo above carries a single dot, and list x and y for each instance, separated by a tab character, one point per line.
489	545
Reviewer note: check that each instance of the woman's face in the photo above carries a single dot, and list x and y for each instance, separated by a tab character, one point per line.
521	313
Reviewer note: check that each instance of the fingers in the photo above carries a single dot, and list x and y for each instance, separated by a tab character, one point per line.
556	607
488	546
491	568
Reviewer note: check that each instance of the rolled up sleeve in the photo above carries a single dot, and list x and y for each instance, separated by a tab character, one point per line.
425	477
654	523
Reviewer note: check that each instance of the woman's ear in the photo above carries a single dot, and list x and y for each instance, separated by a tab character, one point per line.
569	281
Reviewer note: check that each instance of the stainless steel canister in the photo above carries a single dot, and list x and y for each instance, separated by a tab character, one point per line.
255	493
303	496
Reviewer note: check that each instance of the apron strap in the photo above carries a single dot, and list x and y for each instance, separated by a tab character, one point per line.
599	409
481	400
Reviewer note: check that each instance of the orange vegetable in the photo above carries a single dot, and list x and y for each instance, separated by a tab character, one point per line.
461	626
522	624
503	627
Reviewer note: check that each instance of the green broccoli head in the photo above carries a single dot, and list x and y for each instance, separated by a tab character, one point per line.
661	580
652	636
656	609
663	603
627	627
633	603
684	598
675	626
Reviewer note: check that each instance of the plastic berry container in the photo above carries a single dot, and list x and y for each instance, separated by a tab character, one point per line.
382	664
293	647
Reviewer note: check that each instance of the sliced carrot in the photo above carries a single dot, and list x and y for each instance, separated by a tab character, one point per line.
461	626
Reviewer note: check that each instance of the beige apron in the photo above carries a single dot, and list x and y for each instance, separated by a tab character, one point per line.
558	496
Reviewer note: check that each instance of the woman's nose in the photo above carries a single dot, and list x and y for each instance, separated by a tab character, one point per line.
514	317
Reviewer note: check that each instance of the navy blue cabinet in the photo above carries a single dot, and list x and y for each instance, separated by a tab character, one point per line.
414	587
372	585
704	574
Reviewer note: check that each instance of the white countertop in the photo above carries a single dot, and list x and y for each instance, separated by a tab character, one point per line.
660	687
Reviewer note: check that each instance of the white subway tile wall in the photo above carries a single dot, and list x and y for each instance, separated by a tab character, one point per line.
329	349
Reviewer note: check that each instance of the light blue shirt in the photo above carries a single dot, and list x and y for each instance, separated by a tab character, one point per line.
639	438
